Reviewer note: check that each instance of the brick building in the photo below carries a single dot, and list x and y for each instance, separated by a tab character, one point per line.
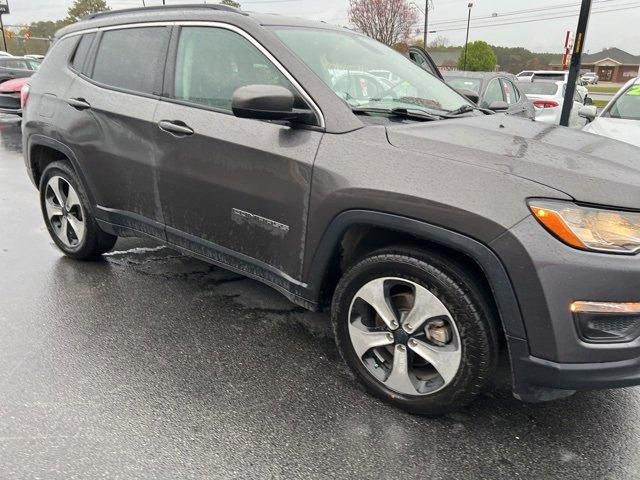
611	65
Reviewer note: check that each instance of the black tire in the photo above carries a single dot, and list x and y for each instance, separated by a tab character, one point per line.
95	241
459	293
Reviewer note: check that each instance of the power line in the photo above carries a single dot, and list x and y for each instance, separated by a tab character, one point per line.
532	20
520	12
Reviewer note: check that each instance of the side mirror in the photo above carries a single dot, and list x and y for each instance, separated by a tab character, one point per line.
588	100
268	102
589	112
499	106
470	94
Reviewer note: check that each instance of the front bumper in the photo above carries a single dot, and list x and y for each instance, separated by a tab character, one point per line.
548	277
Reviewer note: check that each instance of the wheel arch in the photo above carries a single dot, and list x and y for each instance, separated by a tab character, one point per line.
328	257
43	150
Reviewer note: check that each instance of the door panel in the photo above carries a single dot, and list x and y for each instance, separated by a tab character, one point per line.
114	130
239	184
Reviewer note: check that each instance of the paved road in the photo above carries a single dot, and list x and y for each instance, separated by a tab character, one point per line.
149	364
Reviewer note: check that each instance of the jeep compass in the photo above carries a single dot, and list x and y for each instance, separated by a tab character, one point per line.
439	234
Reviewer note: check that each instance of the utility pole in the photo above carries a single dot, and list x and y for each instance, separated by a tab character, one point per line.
426	22
4	8
576	61
466	42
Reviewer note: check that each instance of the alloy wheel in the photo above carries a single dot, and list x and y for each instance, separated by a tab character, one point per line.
64	212
404	336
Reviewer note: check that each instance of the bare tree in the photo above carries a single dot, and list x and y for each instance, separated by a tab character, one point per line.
388	21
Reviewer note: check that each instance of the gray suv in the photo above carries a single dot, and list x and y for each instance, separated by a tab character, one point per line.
439	234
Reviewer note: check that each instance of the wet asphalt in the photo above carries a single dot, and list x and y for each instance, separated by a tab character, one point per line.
149	364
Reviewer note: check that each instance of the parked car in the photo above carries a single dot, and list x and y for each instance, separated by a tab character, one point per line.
495	91
5	54
525	76
590	78
437	233
620	119
548	99
17	67
10	96
563	76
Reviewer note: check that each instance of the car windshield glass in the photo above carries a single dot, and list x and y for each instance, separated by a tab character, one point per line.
472	84
627	106
538	88
364	72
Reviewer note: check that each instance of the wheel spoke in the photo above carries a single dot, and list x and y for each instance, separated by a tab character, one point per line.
375	295
57	191
72	199
445	360
398	379
364	339
77	226
53	210
425	306
64	230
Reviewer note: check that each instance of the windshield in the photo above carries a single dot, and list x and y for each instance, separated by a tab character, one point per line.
472	84
366	73
627	106
538	88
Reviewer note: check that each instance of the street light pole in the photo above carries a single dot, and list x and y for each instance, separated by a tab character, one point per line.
426	22
466	42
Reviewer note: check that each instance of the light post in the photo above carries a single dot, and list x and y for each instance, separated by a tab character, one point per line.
426	22
466	42
4	9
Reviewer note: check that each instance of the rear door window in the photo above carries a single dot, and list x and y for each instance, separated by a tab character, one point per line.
79	61
510	91
132	59
212	63
493	93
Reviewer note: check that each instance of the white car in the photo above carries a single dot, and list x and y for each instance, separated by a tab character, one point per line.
525	76
558	75
590	78
620	119
548	98
5	54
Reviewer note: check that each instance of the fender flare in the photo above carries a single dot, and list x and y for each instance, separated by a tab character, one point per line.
492	267
45	141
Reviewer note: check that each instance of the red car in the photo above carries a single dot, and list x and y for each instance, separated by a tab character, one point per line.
10	96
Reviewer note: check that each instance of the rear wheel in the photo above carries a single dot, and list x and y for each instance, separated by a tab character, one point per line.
415	331
66	213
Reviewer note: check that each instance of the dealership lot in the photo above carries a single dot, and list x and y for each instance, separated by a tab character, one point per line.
151	364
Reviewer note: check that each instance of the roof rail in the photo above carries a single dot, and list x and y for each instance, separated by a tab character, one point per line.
188	6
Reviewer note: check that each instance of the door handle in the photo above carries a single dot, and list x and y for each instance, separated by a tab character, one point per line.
79	103
176	128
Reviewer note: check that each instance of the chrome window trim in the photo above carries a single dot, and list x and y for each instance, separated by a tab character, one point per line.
227	26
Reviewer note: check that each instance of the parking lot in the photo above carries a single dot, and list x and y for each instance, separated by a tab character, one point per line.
151	364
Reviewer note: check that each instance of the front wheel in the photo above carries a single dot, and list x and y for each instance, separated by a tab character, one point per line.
67	214
415	330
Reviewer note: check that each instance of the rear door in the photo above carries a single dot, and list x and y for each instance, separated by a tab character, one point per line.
111	107
232	189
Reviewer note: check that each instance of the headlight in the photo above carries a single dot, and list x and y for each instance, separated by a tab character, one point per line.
589	228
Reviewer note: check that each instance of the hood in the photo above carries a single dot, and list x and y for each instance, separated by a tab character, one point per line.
589	168
617	128
11	86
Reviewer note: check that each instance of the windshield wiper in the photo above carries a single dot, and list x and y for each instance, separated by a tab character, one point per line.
398	112
469	108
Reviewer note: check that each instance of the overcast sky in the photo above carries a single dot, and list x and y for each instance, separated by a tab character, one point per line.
619	28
